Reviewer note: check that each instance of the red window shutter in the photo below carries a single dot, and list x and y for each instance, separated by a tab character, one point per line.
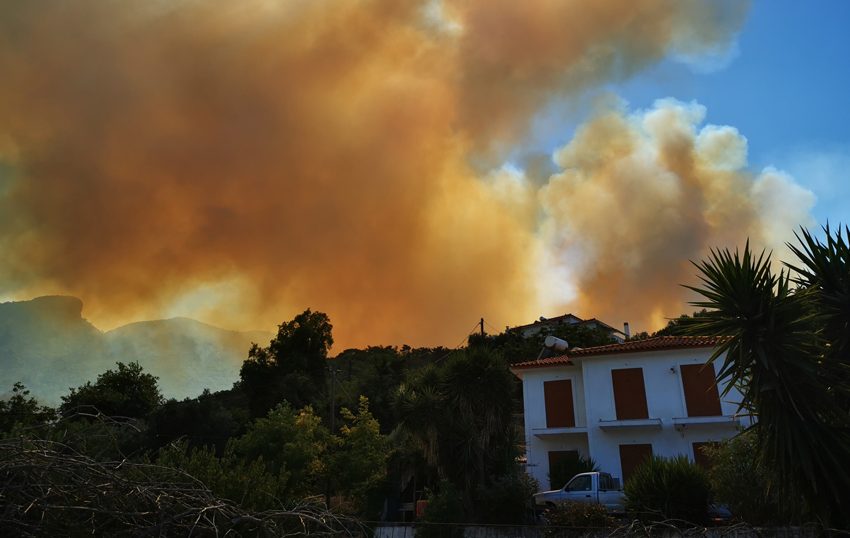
631	456
629	393
700	457
701	396
559	404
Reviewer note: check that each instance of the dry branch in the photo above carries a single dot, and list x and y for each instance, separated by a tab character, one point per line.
49	489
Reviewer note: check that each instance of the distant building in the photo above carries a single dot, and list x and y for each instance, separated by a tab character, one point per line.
549	325
621	403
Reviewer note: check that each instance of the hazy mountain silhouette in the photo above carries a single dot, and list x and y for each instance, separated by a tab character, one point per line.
49	346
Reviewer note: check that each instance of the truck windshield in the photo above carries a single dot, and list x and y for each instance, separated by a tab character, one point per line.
579	483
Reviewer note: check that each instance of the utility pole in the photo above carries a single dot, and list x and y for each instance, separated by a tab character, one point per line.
482	326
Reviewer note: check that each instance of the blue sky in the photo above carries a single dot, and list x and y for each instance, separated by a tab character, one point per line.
785	87
786	90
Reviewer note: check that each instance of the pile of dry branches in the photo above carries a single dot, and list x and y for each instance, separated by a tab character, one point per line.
49	489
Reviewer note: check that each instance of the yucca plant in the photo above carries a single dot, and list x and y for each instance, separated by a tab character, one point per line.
787	355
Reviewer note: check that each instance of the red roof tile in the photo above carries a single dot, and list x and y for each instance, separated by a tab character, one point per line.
633	346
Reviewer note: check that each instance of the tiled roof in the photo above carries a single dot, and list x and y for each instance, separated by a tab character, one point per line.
634	346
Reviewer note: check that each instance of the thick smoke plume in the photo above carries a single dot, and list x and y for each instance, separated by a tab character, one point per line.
240	161
641	195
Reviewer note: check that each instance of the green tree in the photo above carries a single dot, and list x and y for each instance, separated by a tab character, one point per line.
515	347
22	410
787	352
358	461
681	325
459	412
292	368
126	392
740	481
211	419
292	445
245	482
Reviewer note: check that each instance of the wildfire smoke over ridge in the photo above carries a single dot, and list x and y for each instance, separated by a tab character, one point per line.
240	161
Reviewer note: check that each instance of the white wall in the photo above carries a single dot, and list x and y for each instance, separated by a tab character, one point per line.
593	399
538	448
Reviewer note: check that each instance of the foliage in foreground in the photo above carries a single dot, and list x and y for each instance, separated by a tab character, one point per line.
577	515
741	482
789	354
507	500
48	489
445	506
662	489
459	415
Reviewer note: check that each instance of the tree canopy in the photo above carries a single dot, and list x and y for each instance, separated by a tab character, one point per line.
788	354
126	392
292	368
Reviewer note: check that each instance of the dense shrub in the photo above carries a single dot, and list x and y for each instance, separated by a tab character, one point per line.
568	467
662	489
507	500
577	515
741	481
445	506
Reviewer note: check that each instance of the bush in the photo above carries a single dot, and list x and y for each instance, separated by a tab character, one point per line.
507	500
662	489
568	467
577	515
444	507
740	480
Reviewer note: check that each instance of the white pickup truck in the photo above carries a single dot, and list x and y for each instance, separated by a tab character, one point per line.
598	488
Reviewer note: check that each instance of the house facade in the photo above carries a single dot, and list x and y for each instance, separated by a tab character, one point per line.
621	403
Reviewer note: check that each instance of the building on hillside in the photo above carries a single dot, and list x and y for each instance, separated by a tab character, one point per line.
549	325
620	403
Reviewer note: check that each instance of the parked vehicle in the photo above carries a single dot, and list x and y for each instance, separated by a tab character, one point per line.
597	488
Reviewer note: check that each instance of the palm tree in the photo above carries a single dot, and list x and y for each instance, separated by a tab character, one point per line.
459	412
787	352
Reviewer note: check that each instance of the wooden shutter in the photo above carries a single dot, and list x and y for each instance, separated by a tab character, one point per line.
700	457
559	404
701	397
631	456
629	393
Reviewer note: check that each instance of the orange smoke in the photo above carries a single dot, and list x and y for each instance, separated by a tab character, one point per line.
241	161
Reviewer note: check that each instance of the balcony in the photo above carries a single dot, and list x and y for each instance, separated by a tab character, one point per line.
543	433
631	424
682	423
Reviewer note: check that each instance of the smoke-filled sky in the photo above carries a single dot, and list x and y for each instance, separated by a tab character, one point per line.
405	166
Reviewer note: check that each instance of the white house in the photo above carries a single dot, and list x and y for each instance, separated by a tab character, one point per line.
619	403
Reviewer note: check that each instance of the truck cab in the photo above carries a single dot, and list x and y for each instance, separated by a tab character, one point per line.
595	487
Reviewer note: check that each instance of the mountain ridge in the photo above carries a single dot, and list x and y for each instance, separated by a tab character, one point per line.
47	344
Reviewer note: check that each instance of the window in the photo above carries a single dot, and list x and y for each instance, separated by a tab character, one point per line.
561	463
606	483
629	393
559	404
580	483
701	397
631	456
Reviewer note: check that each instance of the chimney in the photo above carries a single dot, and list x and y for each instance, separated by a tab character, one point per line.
626	329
